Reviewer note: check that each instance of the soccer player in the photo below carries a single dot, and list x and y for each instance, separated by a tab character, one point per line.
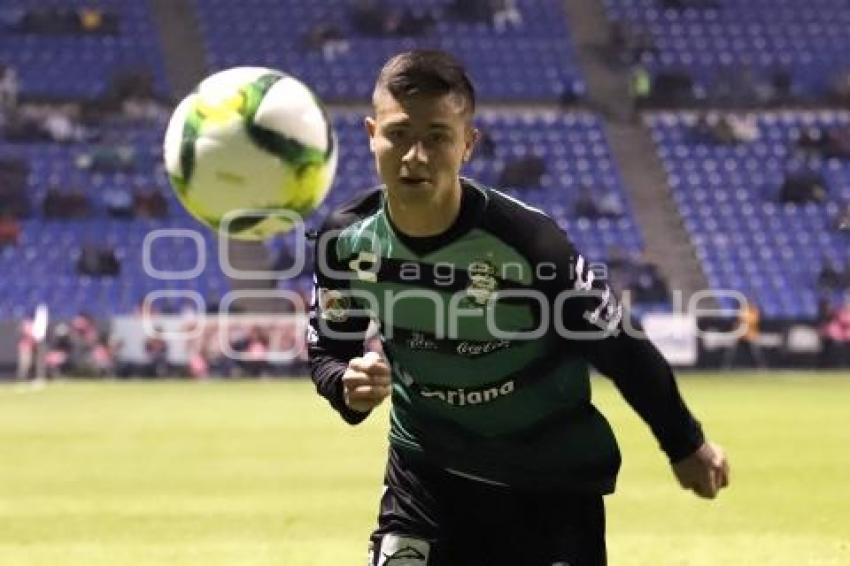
489	321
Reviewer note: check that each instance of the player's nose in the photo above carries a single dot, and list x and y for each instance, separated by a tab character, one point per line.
416	153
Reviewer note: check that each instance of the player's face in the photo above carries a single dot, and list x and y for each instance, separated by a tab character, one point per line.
420	144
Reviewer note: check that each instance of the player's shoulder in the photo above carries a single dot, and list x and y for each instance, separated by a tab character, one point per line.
524	227
503	209
361	205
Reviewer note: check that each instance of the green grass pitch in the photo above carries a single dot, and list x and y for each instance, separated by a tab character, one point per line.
264	473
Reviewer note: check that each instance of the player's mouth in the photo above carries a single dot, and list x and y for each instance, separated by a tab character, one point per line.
414	181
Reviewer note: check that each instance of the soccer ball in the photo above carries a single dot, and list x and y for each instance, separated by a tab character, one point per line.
254	140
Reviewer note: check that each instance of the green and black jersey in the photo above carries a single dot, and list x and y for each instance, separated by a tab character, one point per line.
489	329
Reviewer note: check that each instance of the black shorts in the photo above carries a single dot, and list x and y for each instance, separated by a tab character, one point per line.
430	517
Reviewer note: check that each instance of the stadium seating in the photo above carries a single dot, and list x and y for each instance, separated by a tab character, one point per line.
727	195
808	39
534	61
80	67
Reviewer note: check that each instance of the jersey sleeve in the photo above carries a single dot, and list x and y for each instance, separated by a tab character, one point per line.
337	328
593	325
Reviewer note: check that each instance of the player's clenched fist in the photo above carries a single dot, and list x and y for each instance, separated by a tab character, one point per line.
706	471
366	382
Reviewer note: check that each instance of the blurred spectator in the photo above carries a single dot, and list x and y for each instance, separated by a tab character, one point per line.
103	357
724	128
98	261
66	204
598	203
48	20
782	88
842	221
803	186
112	158
253	348
156	350
373	18
620	269
94	20
748	320
505	14
10	230
523	172
56	360
137	109
214	355
740	86
9	89
631	42
83	343
24	125
61	127
840	91
831	277
328	38
26	350
837	143
367	17
486	145
118	202
54	123
640	88
150	204
13	186
74	349
638	275
672	88
213	303
648	285
406	23
831	143
584	205
59	20
470	11
836	337
136	83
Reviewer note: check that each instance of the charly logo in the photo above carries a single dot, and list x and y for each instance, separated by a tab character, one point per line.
475	349
406	553
312	336
403	551
482	282
334	305
365	266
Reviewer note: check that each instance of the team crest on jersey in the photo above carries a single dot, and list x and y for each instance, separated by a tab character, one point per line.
482	283
333	305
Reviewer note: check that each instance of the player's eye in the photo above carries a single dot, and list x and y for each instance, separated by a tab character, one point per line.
396	134
438	137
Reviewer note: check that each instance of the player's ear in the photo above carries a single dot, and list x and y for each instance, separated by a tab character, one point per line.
371	127
472	137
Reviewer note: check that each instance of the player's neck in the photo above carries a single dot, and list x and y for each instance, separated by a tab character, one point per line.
421	218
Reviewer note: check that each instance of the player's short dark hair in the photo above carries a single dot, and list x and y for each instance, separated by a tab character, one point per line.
427	72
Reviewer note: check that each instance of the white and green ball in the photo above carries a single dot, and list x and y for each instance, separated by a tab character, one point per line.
250	139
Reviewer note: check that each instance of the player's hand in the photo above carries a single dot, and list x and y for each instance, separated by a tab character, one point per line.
366	382
706	471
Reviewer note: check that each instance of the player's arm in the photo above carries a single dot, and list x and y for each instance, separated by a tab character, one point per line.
353	383
638	370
